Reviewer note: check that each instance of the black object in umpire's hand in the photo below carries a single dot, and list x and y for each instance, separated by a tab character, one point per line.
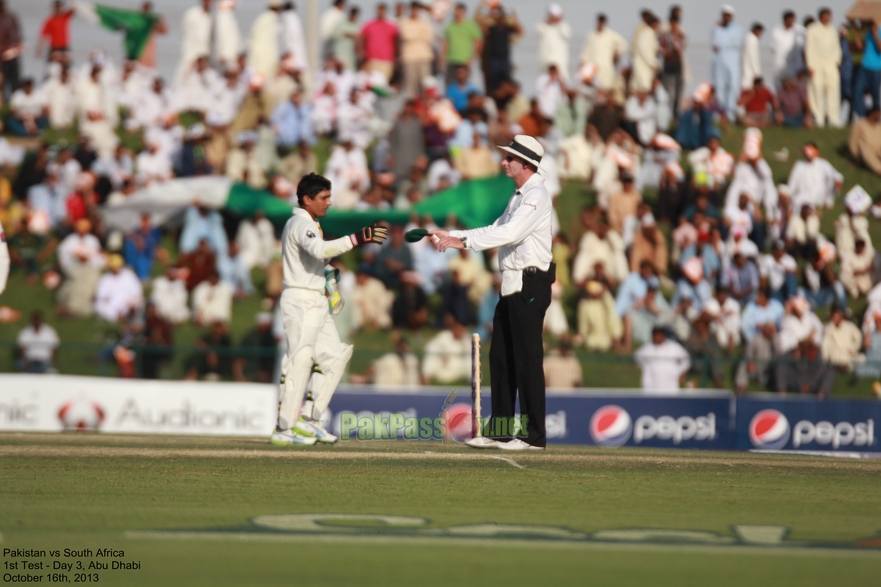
415	235
372	234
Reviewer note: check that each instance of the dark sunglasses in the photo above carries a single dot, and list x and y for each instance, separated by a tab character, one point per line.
510	158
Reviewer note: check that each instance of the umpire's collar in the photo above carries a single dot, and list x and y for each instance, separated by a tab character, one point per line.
536	177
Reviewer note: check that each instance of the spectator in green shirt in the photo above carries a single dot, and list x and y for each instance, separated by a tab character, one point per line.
463	42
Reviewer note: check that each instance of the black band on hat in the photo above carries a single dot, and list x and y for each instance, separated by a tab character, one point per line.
528	153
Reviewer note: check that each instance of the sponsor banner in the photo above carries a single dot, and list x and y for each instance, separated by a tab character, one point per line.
56	403
605	418
681	421
808	424
688	420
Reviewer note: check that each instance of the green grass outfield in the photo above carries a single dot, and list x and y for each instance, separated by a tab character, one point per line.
196	511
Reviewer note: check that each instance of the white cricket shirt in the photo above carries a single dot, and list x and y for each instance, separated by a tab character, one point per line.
305	252
522	234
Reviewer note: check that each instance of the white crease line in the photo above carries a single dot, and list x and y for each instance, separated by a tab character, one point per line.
509	461
469	456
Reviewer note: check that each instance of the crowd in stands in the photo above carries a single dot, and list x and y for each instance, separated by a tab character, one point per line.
723	263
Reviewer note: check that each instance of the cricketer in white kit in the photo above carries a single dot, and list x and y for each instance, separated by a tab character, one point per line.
312	338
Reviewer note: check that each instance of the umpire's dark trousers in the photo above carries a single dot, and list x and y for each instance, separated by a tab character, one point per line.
516	355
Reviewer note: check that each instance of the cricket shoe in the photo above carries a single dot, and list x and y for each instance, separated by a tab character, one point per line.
313	429
289	438
518	444
482	442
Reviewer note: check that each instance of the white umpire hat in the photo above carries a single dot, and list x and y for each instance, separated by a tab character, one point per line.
527	148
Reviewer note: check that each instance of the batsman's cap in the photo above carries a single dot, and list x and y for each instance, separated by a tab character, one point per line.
727	9
415	235
527	148
555	10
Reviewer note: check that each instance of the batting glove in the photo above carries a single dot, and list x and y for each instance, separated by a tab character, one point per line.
370	234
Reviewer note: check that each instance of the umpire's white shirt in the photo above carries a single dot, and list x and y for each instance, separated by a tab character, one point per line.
305	252
522	234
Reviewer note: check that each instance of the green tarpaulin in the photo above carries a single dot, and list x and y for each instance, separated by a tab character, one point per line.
475	203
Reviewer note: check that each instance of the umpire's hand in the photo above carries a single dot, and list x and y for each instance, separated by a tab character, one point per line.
443	241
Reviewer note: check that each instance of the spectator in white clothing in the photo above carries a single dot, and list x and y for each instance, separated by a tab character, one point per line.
37	346
787	47
814	181
448	355
170	295
664	363
28	113
640	110
119	291
81	258
212	301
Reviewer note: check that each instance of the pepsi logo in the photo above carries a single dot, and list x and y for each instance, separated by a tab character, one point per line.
611	426
81	414
769	429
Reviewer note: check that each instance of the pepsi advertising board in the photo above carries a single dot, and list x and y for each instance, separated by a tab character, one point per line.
808	424
703	420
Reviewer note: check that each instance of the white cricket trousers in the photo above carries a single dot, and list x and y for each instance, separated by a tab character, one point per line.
312	340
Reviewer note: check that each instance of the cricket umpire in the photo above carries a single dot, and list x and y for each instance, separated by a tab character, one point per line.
523	236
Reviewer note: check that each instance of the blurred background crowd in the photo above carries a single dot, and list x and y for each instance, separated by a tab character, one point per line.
713	220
